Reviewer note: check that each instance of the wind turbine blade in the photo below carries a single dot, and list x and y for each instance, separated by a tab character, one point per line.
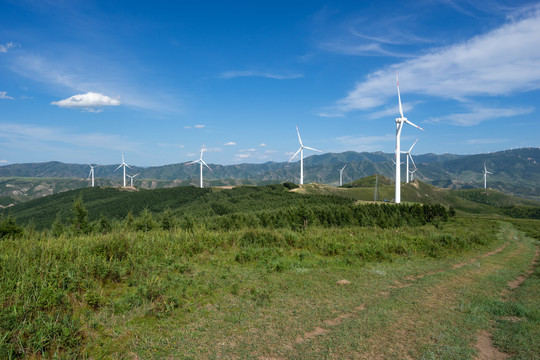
119	166
413	145
90	173
128	166
305	147
416	126
344	167
136	174
193	162
206	165
299	139
296	153
399	96
410	156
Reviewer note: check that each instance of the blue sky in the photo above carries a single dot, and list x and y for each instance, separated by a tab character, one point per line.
82	81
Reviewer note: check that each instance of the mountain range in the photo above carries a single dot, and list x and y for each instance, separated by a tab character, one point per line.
515	172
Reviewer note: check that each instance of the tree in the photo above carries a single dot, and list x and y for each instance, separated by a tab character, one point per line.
79	221
9	228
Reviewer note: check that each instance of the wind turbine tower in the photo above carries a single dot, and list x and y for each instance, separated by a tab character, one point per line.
301	151
123	164
341	175
485	176
399	125
91	174
201	162
131	178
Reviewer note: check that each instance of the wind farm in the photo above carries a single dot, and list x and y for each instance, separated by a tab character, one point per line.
263	244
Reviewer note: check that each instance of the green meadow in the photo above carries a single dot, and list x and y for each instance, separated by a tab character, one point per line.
253	272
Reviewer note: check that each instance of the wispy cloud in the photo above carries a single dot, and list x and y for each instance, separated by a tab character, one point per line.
478	114
486	141
90	101
230	143
501	62
4	161
198	126
167	145
251	73
84	72
28	133
4	95
6	47
262	145
365	143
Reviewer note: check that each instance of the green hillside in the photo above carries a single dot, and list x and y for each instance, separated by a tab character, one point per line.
514	172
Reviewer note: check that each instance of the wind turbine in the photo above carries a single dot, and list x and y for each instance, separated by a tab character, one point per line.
412	173
399	125
201	162
409	156
131	177
485	175
91	175
301	151
123	164
341	175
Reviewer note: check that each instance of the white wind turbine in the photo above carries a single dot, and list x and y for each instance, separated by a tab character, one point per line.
91	175
409	156
412	173
301	151
399	125
131	177
123	164
201	162
341	175
485	176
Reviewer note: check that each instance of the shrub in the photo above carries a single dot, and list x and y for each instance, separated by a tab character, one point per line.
9	228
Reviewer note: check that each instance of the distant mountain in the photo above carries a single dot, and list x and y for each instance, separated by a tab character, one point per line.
516	172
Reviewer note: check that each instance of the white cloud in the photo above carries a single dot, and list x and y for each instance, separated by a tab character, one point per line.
199	126
3	95
262	145
230	143
242	156
90	101
486	141
4	161
500	62
6	47
250	73
166	145
478	114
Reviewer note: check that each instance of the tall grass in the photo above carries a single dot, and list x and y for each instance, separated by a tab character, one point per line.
57	293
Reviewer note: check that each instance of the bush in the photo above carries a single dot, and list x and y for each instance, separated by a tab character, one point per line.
9	228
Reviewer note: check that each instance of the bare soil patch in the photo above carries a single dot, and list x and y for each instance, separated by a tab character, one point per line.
486	350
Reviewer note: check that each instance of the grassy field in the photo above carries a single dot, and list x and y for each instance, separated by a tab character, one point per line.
254	273
420	292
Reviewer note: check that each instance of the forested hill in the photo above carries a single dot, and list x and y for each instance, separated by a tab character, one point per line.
516	172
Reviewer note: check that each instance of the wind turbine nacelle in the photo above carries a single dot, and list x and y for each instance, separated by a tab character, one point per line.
400	120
